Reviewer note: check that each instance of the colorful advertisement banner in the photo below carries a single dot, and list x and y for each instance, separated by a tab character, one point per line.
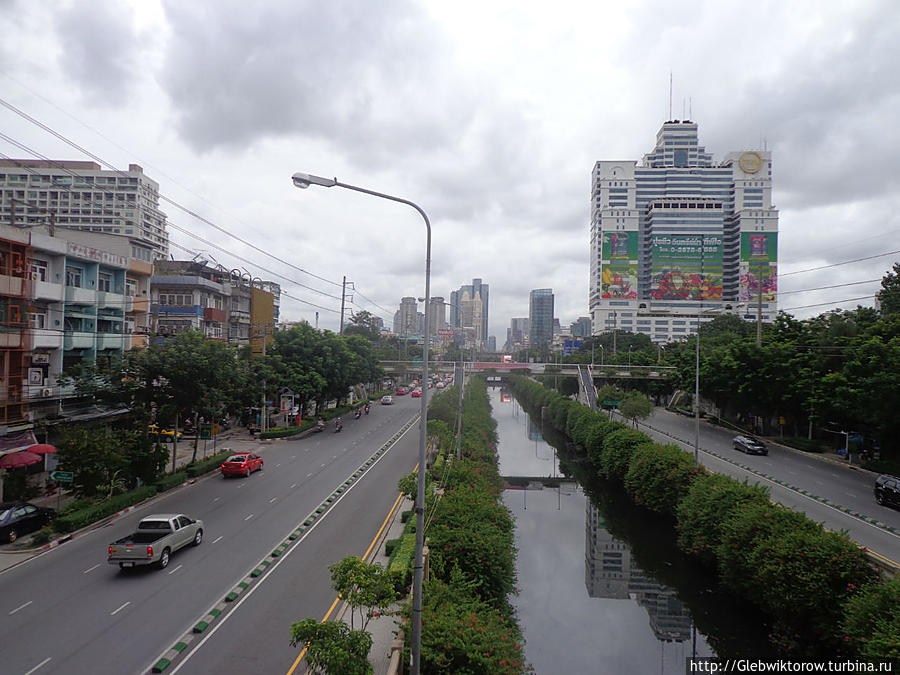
686	267
620	246
756	275
759	246
619	277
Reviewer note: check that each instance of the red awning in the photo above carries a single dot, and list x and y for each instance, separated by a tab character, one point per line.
41	449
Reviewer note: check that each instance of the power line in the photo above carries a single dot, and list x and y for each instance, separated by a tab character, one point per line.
846	262
822	288
833	302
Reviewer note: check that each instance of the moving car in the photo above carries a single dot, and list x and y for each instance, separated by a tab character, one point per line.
156	538
242	464
750	445
402	391
387	400
887	490
18	518
416	393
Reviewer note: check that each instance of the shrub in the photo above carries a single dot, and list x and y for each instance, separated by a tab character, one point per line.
804	577
659	476
206	465
872	621
401	562
742	528
284	432
42	536
171	481
596	434
617	450
707	504
87	516
390	545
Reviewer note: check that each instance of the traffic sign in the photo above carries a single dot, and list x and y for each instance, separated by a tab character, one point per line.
62	476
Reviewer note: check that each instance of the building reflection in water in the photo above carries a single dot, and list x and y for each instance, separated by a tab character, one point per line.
610	572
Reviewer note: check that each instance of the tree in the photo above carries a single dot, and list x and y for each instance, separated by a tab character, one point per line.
365	587
889	295
333	647
365	324
635	406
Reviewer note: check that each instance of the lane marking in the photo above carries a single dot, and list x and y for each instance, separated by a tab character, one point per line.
273	499
277	465
309	474
217	539
40	665
120	608
293	486
175	570
850	494
248	518
216	499
322	465
21	607
91	569
253	589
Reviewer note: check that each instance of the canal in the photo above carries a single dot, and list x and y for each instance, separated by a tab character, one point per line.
602	586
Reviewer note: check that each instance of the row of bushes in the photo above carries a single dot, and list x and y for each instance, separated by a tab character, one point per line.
817	585
468	624
85	512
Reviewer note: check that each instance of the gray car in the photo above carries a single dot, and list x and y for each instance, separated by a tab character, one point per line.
750	445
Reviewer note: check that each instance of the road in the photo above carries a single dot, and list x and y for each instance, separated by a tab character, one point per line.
843	487
68	611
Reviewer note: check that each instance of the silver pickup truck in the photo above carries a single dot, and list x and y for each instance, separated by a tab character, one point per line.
156	539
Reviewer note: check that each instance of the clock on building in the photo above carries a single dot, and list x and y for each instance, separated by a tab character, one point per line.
750	162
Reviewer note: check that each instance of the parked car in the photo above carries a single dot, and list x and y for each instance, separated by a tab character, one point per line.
416	393
242	464
155	539
887	490
387	400
18	518
750	445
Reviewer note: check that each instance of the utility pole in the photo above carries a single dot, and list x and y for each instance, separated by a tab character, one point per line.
759	282
461	379
343	296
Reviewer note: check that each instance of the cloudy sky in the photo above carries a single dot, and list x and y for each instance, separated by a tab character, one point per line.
489	114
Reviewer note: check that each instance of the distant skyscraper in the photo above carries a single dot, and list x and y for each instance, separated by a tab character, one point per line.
408	319
581	327
469	309
516	335
679	239
437	312
540	318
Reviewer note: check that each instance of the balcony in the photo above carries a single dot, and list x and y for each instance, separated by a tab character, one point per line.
80	296
78	340
110	300
111	341
212	314
137	304
44	290
12	338
11	286
41	338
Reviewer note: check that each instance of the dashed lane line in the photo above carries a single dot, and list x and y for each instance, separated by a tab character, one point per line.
91	569
40	665
21	607
175	570
120	608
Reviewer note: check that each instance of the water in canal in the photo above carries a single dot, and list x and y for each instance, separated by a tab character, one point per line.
602	588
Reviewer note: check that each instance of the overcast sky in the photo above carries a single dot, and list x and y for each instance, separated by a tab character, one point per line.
489	114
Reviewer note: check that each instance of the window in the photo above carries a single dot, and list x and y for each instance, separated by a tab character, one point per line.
104	282
73	276
39	270
130	288
38	320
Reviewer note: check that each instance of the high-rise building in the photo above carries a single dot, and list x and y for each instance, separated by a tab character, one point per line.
540	318
408	323
469	309
437	317
678	239
581	327
81	195
516	335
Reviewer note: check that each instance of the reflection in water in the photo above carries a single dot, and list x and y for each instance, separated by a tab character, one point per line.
610	572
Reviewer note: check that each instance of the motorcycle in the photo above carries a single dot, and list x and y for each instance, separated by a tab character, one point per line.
357	414
338	425
367	408
320	426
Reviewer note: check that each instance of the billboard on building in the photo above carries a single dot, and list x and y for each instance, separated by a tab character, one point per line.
686	267
262	319
759	266
619	274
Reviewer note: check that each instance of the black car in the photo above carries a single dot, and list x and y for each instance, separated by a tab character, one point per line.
749	445
887	490
18	518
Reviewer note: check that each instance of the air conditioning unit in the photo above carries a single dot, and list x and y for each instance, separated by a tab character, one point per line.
46	391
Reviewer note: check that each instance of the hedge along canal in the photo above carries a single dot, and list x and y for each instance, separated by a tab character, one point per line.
602	585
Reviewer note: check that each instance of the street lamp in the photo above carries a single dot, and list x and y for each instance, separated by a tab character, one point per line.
303	181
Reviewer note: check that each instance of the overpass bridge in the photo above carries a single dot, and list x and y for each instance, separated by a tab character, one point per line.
594	372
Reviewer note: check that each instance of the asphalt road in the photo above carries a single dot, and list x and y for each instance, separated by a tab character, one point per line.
68	611
844	487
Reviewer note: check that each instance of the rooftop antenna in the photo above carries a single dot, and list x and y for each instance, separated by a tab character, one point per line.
682	109
691	108
670	95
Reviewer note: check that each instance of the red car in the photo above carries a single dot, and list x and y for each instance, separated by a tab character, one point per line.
402	391
416	393
242	464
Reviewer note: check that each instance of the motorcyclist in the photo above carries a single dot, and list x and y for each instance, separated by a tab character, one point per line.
338	424
357	413
367	408
320	423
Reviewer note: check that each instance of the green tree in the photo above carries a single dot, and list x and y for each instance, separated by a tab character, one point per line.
635	406
333	647
365	324
365	587
889	295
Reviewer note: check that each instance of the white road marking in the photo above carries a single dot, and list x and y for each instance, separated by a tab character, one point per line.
293	456
41	664
309	474
216	499
293	486
850	494
219	538
818	481
834	475
323	465
240	486
277	465
91	569
120	608
333	457
175	570
273	499
248	517
21	607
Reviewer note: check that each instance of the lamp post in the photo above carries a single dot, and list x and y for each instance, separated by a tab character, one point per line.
304	180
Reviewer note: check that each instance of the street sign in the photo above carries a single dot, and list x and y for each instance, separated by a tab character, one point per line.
62	476
206	431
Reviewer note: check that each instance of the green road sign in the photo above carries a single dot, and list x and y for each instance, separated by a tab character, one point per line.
62	476
614	403
206	431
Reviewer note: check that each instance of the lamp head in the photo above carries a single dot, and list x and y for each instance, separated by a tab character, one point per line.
304	180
